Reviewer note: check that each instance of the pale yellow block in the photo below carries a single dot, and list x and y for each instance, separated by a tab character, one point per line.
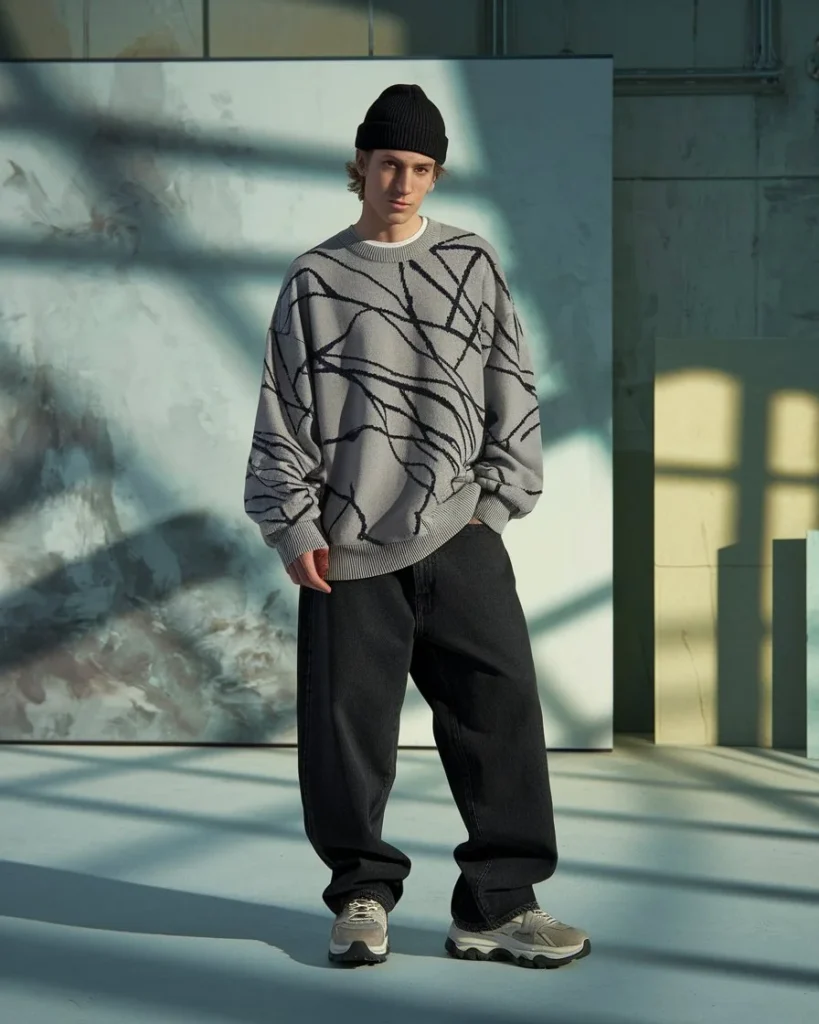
391	35
763	574
44	29
693	519
686	655
793	433
687	658
765	684
288	28
697	420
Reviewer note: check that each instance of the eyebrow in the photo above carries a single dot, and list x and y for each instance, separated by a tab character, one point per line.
403	163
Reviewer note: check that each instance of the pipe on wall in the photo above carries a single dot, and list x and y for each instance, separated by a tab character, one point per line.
766	74
705	81
764	52
86	29
499	23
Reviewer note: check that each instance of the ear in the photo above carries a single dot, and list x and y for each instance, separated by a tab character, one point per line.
362	159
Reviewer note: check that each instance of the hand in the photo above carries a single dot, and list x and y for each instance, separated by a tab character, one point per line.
476	522
310	569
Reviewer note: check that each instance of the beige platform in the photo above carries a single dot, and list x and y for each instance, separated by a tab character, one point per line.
736	490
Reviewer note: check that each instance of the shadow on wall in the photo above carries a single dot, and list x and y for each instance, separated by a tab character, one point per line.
102	628
743	639
578	337
123	628
737	489
88	623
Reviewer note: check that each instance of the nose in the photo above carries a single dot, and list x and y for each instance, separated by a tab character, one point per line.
403	183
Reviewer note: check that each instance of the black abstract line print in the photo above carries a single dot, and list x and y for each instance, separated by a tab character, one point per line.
397	401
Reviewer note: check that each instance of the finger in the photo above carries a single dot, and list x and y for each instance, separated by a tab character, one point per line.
316	582
313	578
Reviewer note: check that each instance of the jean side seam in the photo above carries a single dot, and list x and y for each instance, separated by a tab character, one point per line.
383	796
470	800
456	731
417	598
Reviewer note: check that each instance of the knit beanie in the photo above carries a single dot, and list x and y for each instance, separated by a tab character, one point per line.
404	118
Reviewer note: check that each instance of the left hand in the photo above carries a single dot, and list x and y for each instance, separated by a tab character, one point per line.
476	522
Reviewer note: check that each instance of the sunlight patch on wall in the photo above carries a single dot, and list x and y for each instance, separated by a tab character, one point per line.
710	439
793	433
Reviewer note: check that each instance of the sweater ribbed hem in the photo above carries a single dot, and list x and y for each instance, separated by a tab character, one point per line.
364	560
492	511
297	539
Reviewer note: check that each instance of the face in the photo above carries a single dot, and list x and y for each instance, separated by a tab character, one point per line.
397	183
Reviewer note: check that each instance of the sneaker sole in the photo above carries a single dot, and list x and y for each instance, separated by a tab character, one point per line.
359	953
500	954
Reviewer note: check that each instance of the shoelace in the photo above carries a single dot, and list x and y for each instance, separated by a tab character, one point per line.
544	918
364	910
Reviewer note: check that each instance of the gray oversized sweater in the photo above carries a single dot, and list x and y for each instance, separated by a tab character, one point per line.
397	402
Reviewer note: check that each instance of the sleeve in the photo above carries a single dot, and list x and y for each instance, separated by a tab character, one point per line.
510	468
285	471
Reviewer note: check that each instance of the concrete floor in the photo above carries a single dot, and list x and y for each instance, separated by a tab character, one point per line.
171	885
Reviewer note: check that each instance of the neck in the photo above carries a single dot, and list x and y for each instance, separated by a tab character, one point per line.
371	228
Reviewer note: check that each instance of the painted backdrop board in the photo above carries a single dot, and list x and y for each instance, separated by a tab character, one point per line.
148	212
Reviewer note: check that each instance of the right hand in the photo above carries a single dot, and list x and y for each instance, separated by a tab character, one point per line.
309	570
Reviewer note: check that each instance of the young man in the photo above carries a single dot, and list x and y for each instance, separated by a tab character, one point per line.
397	433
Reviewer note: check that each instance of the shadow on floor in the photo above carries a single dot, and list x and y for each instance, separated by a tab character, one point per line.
160	980
68	898
167	984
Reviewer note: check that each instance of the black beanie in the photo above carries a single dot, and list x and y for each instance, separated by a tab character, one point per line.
404	118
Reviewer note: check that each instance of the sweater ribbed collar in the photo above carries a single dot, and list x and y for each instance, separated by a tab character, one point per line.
391	254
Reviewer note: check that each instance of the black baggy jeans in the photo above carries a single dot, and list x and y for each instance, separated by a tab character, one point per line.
452	621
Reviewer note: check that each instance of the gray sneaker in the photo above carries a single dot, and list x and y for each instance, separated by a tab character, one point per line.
533	939
359	935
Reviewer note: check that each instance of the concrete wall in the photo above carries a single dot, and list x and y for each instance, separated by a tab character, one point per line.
716	198
716	203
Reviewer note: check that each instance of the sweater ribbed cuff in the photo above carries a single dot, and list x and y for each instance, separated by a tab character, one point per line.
296	539
492	511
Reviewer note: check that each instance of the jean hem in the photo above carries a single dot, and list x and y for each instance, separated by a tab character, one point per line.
365	894
498	922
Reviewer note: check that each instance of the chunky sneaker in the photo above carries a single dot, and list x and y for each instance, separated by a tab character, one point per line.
359	935
532	939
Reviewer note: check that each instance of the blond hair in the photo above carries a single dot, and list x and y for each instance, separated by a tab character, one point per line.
356	178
